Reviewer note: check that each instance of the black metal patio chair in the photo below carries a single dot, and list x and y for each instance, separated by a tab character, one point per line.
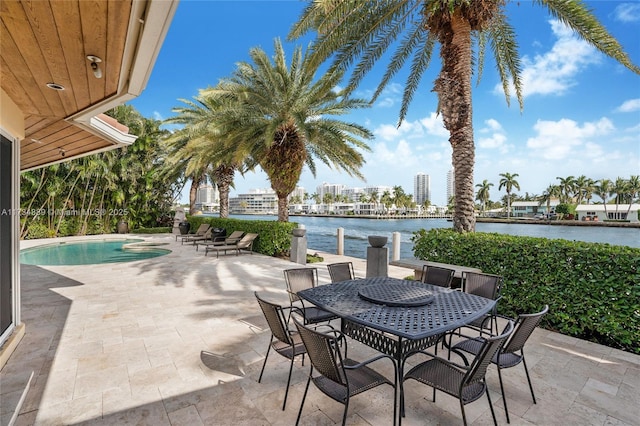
300	279
512	353
465	383
284	341
442	277
340	377
341	271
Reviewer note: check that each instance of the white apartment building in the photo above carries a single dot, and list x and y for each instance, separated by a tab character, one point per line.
451	184
353	194
421	188
329	188
380	189
257	201
207	197
299	192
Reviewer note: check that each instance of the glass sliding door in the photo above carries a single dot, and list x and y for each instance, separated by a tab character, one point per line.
6	235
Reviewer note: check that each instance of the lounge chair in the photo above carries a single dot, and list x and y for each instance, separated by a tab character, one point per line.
193	239
245	243
202	229
222	241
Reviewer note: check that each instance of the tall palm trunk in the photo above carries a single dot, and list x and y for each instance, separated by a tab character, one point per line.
223	176
193	191
283	164
453	86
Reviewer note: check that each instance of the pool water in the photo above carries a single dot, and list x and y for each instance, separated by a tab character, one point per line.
90	252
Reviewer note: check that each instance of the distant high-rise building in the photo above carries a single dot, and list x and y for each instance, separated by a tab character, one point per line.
421	188
329	188
298	192
207	197
451	185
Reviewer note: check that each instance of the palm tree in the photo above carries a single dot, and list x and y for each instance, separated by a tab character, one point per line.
603	190
567	188
356	34
197	149
633	188
509	182
387	200
374	199
278	116
583	189
619	188
483	193
552	191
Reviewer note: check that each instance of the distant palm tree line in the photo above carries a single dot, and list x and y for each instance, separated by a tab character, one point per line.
396	197
569	190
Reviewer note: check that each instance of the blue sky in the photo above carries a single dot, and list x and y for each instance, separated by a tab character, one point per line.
581	114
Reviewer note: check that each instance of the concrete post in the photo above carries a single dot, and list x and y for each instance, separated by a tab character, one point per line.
299	246
395	243
340	242
377	262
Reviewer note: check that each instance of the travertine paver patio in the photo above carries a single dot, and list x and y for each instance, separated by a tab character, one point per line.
179	340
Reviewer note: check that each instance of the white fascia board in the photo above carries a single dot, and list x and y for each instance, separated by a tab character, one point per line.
111	133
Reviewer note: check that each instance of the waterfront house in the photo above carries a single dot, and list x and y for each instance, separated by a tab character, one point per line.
600	212
531	208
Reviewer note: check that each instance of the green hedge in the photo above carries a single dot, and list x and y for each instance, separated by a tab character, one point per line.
592	289
158	230
274	238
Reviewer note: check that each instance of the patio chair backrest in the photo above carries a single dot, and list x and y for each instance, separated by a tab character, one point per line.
247	241
436	275
300	279
275	317
202	229
525	324
491	346
342	271
324	352
481	284
233	237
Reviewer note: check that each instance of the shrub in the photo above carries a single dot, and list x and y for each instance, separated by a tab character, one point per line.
274	238
158	230
591	288
38	230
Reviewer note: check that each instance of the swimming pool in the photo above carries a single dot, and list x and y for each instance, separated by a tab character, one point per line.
91	252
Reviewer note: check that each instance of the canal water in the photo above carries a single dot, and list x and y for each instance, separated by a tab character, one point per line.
322	232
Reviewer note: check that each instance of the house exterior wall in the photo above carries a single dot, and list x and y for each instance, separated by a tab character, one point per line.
598	212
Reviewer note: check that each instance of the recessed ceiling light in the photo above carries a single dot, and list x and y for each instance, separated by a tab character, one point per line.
55	86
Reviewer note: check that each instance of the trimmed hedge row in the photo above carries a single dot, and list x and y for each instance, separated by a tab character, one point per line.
592	289
158	230
274	238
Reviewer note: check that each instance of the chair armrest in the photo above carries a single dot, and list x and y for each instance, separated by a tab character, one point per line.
369	361
464	368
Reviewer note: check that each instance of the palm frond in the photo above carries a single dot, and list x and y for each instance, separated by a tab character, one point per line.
579	18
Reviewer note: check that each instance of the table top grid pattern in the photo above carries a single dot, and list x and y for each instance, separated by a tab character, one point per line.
449	309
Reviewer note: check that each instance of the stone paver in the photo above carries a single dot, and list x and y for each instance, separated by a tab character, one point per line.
180	340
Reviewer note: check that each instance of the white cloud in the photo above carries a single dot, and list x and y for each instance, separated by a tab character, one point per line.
554	72
434	125
495	139
629	106
559	140
492	126
157	116
627	12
